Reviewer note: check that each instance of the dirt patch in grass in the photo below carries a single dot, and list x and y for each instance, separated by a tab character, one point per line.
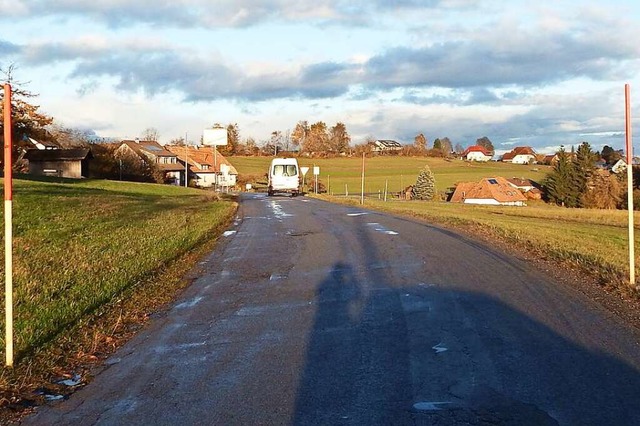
78	354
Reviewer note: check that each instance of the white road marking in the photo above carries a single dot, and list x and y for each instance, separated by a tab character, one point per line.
381	228
429	406
278	211
440	348
357	214
228	233
190	303
275	277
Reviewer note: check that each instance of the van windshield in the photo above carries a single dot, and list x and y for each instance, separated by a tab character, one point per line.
285	170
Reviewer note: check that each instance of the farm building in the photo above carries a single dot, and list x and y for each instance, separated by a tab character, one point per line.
493	191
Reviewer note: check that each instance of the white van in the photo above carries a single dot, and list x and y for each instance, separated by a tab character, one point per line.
284	176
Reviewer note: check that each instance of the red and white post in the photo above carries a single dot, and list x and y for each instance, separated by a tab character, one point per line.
629	147
8	229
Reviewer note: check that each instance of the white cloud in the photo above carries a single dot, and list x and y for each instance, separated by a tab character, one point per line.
540	75
13	8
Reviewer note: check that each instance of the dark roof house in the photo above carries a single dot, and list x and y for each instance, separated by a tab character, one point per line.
165	160
386	145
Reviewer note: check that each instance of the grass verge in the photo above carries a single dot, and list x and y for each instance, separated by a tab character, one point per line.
93	259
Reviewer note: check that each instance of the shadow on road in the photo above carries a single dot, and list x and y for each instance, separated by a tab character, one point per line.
380	354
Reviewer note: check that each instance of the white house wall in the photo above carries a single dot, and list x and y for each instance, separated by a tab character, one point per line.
522	159
226	180
482	201
205	180
477	156
492	202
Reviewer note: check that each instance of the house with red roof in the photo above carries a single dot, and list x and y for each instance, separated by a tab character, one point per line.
206	166
477	153
520	155
494	191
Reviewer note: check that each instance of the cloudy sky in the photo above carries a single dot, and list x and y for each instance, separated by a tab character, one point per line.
531	73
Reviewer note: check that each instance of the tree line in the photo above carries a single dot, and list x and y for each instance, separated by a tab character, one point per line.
575	181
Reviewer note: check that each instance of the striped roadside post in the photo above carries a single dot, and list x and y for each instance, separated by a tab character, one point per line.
8	229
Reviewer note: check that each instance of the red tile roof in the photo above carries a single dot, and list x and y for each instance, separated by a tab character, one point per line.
477	148
519	150
201	159
496	188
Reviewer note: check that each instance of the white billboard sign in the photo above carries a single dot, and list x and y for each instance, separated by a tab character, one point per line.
217	136
316	170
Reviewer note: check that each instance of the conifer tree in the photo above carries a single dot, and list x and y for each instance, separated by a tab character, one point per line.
584	169
425	187
561	185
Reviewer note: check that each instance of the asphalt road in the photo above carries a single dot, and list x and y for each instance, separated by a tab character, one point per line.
312	313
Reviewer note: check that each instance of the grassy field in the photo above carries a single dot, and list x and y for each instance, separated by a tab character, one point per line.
593	241
78	244
396	172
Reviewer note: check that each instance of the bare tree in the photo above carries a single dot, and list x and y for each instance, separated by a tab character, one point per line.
420	142
150	134
300	133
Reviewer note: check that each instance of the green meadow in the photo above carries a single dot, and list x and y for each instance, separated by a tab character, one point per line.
79	244
396	173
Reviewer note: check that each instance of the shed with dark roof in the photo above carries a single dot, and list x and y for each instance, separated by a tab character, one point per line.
67	163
